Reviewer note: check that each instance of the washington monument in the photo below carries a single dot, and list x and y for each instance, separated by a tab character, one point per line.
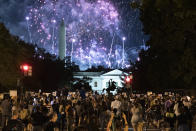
62	41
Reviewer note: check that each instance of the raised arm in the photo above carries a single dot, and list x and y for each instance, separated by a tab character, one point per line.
126	123
110	122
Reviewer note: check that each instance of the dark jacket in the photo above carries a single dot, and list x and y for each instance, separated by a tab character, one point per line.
6	107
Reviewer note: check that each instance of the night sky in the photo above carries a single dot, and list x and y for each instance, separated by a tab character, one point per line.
96	28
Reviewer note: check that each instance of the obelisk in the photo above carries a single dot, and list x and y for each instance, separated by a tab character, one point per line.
62	41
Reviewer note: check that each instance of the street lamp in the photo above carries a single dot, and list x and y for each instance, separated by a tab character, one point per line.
53	44
27	20
73	41
123	54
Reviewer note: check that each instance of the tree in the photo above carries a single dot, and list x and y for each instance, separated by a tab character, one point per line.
13	52
111	86
49	72
98	69
170	61
82	83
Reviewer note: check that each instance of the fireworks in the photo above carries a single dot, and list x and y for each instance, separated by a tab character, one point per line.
96	33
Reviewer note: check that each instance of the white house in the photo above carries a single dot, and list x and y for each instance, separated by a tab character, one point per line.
100	80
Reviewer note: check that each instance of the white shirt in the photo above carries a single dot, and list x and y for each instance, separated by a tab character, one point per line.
187	104
137	115
115	104
176	109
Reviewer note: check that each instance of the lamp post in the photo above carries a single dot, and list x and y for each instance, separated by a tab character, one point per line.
26	72
128	81
73	41
123	53
27	19
53	44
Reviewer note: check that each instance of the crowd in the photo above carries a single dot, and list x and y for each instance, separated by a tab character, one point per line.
89	111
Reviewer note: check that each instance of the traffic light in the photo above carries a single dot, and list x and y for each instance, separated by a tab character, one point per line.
26	69
128	84
128	79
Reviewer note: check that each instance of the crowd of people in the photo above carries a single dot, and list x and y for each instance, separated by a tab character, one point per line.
92	111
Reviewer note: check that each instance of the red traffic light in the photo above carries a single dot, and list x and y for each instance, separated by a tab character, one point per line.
128	79
25	67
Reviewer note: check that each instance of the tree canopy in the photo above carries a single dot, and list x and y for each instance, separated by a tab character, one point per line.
170	61
13	52
49	73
